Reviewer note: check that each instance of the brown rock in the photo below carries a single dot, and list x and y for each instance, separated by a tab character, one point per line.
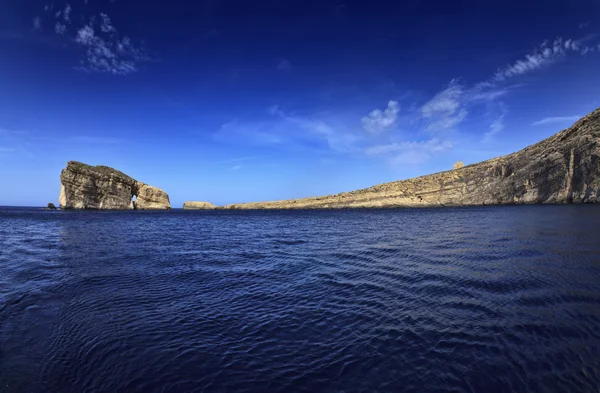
195	205
104	188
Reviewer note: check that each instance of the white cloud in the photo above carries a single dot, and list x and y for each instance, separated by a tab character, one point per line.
7	150
583	25
37	23
557	119
284	65
105	51
108	54
542	56
378	121
410	152
236	167
85	35
446	109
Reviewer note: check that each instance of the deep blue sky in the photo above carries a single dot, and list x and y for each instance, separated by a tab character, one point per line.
232	101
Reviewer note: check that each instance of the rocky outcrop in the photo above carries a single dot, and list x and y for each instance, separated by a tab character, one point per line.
564	168
194	205
104	188
150	198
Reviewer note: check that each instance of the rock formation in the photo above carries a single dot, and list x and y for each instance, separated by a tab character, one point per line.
194	205
458	165
564	168
101	187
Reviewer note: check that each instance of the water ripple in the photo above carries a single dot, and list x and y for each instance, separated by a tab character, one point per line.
434	300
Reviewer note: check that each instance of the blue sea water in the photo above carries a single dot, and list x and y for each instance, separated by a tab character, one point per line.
481	299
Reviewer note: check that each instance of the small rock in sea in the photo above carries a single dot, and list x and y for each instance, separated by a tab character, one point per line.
51	206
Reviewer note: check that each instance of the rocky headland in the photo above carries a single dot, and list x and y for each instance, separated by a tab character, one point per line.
103	188
564	168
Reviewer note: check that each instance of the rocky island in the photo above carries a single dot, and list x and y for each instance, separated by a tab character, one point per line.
194	205
103	188
564	168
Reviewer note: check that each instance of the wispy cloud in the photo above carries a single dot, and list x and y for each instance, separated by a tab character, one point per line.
446	109
282	130
410	152
240	159
378	120
60	28
542	56
496	126
583	25
104	49
64	14
108	53
557	119
15	141
236	167
451	106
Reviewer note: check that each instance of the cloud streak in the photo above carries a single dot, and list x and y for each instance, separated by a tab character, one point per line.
542	56
282	130
557	119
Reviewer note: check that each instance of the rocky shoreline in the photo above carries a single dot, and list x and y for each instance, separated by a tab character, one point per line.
564	168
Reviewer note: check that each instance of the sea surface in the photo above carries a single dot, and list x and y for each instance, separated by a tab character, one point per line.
481	299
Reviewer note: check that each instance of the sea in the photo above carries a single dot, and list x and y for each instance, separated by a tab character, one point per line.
471	299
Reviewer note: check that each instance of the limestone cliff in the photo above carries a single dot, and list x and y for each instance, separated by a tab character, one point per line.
564	168
104	188
194	205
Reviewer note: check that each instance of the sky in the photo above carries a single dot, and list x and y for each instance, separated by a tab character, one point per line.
238	101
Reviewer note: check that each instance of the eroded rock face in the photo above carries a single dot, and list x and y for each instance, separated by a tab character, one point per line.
564	168
195	205
151	198
104	188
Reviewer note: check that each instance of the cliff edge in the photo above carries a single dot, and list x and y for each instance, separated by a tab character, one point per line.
564	168
103	188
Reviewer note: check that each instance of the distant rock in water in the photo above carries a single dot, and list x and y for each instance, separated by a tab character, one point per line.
564	168
192	205
103	188
51	206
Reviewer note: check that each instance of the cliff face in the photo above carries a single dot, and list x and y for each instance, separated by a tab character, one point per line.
101	187
564	168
